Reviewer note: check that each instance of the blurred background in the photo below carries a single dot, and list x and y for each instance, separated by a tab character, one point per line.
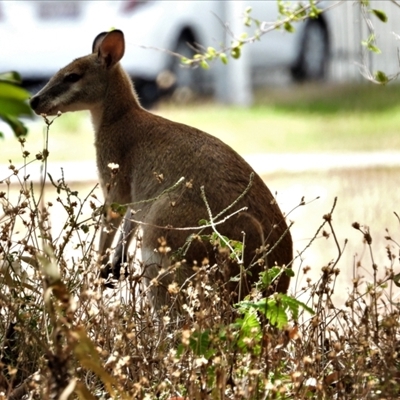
298	106
37	37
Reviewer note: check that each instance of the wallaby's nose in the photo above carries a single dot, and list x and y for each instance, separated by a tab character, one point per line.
34	102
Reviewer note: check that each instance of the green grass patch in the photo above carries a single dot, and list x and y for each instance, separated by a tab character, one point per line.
316	118
303	119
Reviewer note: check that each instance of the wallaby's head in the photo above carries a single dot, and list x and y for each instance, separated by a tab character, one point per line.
83	84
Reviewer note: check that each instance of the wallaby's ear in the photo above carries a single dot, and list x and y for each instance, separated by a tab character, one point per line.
96	42
111	47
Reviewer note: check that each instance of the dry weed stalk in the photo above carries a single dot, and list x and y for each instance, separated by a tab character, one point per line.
63	336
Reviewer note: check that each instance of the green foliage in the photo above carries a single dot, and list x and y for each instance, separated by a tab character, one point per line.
200	342
288	27
378	77
118	208
223	58
314	10
289	13
101	346
381	77
370	44
236	52
278	308
13	103
293	11
380	15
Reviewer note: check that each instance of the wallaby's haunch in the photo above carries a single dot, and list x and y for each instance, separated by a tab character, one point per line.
152	154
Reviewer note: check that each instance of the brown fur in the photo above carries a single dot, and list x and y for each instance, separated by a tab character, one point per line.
152	154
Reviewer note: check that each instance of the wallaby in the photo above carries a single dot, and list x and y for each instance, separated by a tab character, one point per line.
151	154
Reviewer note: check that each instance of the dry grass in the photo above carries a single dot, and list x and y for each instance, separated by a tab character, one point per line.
61	334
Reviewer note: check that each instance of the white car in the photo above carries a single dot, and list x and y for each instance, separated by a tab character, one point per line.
39	37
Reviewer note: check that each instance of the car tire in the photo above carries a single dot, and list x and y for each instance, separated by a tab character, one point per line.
147	91
312	61
186	78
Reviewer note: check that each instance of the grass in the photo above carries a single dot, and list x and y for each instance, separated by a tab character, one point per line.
297	119
367	196
99	343
304	119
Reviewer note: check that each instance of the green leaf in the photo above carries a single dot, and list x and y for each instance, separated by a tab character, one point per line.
237	246
211	52
381	77
396	280
186	61
11	91
236	52
272	308
380	15
276	308
11	77
288	27
204	238
223	58
281	7
370	44
180	350
301	12
14	108
199	343
276	313
13	103
204	64
314	11
294	305
268	276
249	320
15	124
224	240
249	327
374	48
118	208
289	272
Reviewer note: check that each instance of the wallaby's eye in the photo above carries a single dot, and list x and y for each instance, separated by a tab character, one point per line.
72	78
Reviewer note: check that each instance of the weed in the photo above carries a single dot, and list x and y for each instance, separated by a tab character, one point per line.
63	335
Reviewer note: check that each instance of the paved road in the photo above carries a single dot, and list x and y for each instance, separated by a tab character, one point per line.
262	163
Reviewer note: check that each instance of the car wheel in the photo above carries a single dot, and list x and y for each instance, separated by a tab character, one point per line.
33	86
147	91
185	77
313	57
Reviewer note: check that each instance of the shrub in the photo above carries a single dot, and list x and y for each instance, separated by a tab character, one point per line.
62	334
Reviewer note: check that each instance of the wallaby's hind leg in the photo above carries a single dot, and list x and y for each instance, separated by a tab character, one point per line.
109	227
159	273
129	229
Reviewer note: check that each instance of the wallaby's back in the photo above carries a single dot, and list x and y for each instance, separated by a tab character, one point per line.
153	153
